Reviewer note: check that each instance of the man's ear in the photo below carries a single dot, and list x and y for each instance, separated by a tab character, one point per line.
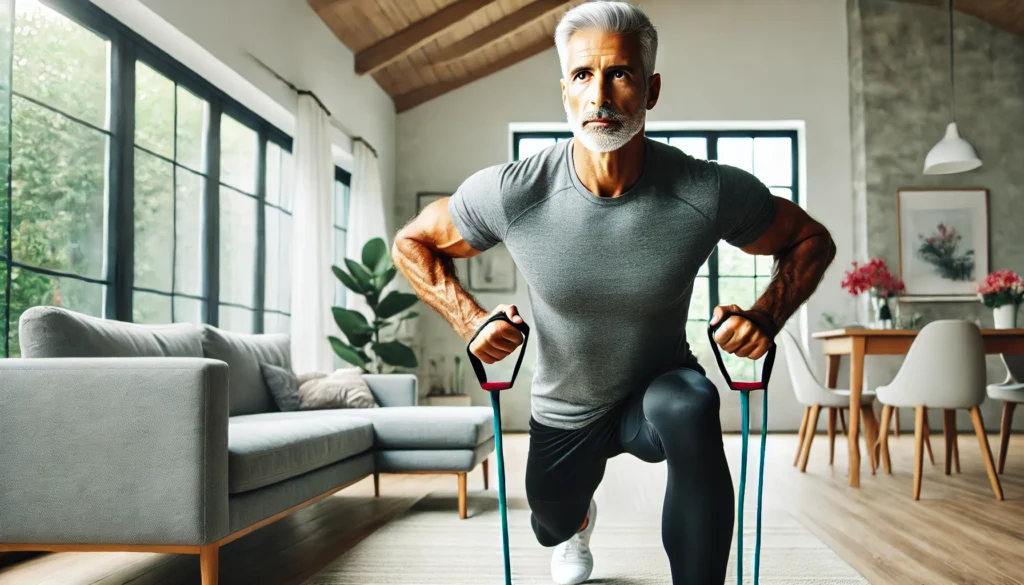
561	83
654	90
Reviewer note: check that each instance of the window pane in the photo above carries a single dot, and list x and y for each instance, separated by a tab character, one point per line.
154	223
237	155
273	236
192	117
30	289
341	199
734	262
765	265
773	161
740	369
736	291
188	236
759	285
236	319
697	338
694	146
703	271
531	146
287	167
237	247
782	192
273	173
188	310
58	174
662	139
284	281
737	152
60	63
339	260
276	323
151	308
154	110
700	301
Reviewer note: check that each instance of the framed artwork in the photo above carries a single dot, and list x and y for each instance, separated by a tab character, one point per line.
492	271
425	198
943	242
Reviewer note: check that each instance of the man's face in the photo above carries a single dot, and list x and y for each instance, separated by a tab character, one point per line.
605	93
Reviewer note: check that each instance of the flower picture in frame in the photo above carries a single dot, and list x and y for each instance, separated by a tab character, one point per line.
492	271
943	242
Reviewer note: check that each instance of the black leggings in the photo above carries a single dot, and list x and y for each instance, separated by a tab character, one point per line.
675	418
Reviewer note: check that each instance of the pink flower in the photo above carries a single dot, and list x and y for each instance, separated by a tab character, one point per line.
874	275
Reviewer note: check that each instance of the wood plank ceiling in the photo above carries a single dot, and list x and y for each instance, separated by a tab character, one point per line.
417	50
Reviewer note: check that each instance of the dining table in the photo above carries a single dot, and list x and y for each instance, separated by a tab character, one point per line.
860	342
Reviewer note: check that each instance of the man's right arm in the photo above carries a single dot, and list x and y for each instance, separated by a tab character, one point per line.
424	251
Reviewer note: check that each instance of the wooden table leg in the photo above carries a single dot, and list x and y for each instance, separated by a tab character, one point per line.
856	380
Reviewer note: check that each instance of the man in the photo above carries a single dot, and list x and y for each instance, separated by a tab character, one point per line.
609	229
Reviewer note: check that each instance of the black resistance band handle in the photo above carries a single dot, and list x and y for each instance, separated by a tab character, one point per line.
478	366
766	368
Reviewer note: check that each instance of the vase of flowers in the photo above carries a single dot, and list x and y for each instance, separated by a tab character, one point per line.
882	287
1003	291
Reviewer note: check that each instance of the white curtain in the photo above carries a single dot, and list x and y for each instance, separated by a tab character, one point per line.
365	217
312	279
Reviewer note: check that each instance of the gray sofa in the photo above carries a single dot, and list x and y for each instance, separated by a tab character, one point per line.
118	436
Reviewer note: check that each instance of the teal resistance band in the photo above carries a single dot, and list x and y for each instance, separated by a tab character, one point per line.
744	388
495	389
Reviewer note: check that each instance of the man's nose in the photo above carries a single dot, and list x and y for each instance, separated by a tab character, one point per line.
599	95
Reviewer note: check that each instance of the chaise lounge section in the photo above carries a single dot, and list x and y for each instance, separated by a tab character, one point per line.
164	438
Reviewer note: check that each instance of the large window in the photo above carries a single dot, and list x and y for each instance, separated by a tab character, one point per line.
730	276
139	191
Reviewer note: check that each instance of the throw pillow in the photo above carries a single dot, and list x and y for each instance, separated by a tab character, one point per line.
344	388
284	386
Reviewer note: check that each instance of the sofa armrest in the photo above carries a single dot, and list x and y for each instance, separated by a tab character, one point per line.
113	451
392	389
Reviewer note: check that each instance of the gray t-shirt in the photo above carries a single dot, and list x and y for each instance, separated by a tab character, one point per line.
610	278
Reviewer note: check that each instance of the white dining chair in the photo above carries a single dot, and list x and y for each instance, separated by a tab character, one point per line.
1011	392
815	396
944	369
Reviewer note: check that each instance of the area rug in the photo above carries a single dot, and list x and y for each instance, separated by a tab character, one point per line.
429	545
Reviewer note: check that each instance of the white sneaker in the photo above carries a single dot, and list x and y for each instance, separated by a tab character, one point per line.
572	562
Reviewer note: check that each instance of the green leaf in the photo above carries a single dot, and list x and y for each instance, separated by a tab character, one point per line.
387	277
346	352
347	280
354	325
396	353
375	256
395	303
409	315
360	273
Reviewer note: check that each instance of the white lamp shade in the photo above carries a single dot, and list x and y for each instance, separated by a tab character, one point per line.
952	154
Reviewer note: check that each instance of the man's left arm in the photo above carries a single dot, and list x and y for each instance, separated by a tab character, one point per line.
803	249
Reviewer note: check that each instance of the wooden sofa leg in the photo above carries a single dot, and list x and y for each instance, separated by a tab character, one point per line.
487	473
376	484
462	495
209	556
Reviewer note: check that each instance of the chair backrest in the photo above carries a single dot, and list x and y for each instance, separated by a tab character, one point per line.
1014	366
805	384
945	367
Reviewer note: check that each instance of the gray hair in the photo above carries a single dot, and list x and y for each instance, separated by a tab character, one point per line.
611	17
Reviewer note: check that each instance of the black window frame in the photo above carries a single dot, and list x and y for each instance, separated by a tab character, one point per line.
126	48
712	137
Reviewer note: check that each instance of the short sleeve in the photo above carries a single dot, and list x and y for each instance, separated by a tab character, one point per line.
476	209
745	206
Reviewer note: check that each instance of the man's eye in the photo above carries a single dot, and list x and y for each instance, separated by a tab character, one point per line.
620	74
580	75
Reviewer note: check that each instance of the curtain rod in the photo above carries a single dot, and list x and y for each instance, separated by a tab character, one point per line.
334	120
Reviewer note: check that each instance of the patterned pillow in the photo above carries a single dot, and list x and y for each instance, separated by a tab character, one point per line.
344	388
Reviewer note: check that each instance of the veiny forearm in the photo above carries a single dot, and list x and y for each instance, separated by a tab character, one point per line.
432	277
798	272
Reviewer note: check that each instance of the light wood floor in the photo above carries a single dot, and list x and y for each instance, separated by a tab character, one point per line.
957	533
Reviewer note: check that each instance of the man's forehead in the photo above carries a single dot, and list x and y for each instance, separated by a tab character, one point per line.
590	45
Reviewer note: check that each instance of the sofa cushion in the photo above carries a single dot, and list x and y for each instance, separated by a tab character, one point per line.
53	332
248	392
264	449
415	427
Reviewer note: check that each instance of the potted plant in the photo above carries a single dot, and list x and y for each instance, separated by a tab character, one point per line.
882	287
369	279
1003	291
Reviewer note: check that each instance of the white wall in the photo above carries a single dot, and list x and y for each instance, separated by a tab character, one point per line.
758	60
215	38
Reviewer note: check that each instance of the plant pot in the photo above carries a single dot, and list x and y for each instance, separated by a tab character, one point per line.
1005	316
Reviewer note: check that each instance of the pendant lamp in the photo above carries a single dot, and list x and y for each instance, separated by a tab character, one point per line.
952	154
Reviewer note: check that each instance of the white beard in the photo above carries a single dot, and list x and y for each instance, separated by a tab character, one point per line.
602	139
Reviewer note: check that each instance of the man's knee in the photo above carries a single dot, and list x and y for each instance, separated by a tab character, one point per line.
555	522
681	400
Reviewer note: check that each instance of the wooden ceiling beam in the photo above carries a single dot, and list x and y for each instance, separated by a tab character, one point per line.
506	26
400	44
319	5
415	97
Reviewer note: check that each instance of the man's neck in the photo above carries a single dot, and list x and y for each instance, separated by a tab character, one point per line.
609	174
